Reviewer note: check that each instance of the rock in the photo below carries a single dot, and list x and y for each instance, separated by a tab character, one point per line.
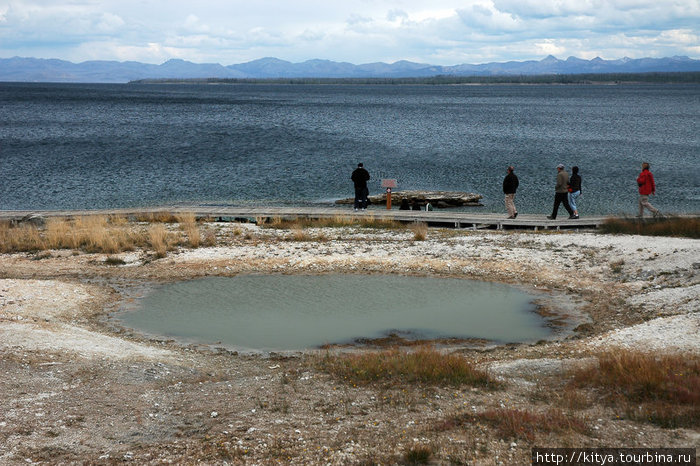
33	219
440	199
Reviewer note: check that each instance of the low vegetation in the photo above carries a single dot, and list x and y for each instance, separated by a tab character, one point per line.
424	365
103	234
660	389
420	231
364	221
687	227
523	424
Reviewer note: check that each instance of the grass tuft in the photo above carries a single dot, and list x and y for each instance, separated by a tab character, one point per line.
664	226
424	365
661	389
519	423
368	221
420	231
188	223
419	454
158	239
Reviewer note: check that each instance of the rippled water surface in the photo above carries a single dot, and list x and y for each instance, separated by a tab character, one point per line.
96	146
294	312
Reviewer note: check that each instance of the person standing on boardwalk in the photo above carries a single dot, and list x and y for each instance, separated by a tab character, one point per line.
561	193
574	190
646	184
360	177
510	185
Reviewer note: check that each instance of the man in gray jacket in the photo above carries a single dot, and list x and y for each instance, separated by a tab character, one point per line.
561	193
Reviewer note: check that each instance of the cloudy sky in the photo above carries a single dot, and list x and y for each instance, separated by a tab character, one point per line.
440	32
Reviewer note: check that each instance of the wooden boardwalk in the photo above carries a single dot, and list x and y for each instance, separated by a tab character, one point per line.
443	218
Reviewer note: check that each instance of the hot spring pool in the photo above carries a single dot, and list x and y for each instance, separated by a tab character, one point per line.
295	312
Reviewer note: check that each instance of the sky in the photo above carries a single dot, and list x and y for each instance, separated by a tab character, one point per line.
437	32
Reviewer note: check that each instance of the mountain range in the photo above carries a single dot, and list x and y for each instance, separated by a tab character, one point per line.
20	69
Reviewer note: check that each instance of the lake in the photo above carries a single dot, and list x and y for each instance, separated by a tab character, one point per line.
71	146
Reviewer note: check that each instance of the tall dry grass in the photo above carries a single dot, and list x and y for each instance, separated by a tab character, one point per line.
188	223
687	227
158	239
94	234
424	365
661	389
24	238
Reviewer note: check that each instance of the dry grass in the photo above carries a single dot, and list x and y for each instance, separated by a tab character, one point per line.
666	226
518	423
156	217
300	234
100	234
188	224
365	221
661	389
419	454
24	238
88	233
420	231
159	239
424	365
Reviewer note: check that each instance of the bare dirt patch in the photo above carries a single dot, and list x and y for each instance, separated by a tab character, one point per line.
78	389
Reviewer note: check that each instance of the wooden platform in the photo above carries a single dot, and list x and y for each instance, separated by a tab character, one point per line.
442	218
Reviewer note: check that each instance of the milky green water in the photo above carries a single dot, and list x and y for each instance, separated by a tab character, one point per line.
295	312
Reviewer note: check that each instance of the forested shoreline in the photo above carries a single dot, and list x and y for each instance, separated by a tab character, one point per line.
587	78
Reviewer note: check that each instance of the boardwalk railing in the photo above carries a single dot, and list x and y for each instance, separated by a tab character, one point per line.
443	218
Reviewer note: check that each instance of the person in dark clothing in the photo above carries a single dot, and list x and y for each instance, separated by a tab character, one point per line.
360	177
404	204
574	190
510	185
561	193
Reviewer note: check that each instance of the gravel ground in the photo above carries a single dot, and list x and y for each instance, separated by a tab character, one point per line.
77	389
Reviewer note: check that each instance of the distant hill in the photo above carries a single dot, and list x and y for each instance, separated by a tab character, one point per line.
53	70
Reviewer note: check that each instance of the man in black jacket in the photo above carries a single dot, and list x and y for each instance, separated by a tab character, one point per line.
510	185
359	177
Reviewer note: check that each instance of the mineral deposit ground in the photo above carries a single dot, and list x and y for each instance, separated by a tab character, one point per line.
75	388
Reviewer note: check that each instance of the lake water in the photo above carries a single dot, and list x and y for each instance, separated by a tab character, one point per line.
101	146
295	312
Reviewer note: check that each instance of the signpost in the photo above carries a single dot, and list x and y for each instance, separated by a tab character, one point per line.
388	184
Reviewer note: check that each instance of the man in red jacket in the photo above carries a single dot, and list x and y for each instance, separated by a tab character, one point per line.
645	180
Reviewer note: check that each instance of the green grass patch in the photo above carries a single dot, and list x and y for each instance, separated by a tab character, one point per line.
685	227
424	365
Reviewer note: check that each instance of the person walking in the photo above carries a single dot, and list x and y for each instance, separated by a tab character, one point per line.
561	193
360	177
646	184
510	185
574	190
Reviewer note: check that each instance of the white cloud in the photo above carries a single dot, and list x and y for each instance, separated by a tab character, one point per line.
446	32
